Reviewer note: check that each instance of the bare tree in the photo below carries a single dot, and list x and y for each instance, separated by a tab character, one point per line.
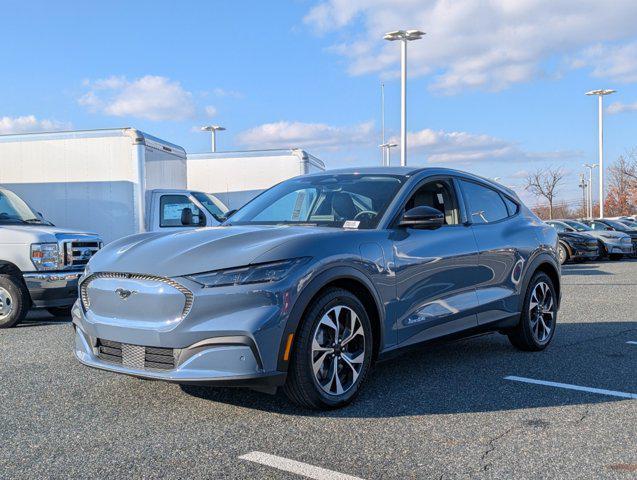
544	183
626	165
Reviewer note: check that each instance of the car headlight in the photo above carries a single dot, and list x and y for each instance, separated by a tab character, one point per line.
46	256
260	273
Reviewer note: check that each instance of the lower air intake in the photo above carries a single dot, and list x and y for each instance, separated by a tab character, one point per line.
136	356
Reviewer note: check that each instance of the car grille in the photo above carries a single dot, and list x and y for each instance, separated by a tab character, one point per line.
77	253
136	356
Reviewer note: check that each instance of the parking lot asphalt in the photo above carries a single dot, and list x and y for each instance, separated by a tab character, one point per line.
445	411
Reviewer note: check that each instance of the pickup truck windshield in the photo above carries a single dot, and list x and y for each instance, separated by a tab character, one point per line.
14	210
346	200
212	204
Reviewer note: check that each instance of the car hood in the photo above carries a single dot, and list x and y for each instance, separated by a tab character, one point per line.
191	251
34	233
606	234
575	236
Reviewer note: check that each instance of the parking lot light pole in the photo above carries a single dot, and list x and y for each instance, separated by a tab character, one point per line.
589	206
386	149
404	36
213	129
600	114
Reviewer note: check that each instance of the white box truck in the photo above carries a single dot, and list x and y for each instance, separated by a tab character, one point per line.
237	177
114	182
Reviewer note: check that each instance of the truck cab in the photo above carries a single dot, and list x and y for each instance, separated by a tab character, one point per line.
39	262
172	209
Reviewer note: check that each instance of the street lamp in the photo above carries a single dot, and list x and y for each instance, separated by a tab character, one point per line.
600	114
214	129
590	167
386	149
583	185
404	36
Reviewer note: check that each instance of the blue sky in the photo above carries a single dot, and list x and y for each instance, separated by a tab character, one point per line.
497	88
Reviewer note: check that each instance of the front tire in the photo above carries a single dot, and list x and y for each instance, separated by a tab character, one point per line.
537	324
14	301
332	352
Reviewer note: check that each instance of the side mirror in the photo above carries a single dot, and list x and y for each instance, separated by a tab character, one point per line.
186	217
422	217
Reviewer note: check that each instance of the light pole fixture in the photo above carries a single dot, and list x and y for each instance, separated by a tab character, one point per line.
583	185
386	149
213	129
600	114
404	36
590	167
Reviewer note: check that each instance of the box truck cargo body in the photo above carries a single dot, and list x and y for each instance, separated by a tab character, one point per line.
237	177
102	181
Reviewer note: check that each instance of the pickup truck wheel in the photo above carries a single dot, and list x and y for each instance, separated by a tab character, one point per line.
60	311
332	352
14	301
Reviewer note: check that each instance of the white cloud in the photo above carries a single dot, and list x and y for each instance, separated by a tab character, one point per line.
614	62
210	111
619	107
464	149
306	135
150	97
473	43
222	92
29	123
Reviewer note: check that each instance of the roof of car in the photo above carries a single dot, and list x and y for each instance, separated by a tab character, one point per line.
410	171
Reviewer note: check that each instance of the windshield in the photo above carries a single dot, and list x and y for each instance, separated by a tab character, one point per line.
580	227
212	204
350	200
14	210
616	225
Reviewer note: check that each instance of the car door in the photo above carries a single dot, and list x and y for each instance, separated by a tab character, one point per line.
505	240
434	284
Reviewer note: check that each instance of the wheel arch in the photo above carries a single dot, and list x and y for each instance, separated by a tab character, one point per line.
345	277
547	264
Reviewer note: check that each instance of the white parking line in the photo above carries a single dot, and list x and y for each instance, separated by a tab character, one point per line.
292	466
631	342
568	386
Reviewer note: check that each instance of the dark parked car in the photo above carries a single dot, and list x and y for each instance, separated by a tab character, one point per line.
605	224
573	245
315	279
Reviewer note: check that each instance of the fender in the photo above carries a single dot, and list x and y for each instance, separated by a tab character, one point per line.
323	278
540	258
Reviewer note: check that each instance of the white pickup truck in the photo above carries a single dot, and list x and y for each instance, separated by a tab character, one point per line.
39	262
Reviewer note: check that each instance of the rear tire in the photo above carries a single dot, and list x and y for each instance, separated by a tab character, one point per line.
562	253
14	301
537	323
60	311
332	352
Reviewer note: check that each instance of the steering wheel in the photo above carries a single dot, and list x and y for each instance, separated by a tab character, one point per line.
371	213
4	215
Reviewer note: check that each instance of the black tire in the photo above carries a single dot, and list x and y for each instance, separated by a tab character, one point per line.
562	253
301	385
603	252
60	311
523	336
16	301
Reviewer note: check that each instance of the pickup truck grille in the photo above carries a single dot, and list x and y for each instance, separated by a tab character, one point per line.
136	356
77	253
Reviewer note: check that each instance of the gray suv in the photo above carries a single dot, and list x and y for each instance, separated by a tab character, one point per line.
318	277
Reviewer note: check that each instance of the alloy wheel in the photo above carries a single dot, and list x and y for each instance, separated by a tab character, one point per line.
6	303
541	312
562	254
338	350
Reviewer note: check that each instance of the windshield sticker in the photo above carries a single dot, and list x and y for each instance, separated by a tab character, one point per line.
351	224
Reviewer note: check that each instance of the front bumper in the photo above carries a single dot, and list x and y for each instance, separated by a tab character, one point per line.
52	289
221	361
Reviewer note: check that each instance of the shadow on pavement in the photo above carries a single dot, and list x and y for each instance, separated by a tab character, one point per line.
465	377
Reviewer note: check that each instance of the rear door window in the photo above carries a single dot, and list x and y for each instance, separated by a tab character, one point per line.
485	204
